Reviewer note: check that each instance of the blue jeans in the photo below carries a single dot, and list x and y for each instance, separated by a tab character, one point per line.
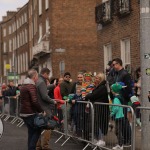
33	133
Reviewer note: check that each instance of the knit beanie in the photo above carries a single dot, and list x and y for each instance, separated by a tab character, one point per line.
116	88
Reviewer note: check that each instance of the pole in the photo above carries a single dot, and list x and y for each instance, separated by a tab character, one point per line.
145	69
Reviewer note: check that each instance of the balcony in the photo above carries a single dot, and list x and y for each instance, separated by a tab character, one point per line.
41	49
103	12
124	8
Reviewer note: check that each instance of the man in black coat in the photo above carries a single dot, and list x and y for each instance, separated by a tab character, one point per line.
121	75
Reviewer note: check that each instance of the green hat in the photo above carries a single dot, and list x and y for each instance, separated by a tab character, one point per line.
116	88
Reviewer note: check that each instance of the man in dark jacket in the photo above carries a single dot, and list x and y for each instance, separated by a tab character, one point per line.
29	107
47	105
11	93
121	75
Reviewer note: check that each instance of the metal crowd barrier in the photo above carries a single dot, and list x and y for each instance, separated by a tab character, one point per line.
85	122
10	110
89	124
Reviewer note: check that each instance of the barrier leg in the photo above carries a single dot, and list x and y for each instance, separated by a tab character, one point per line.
65	141
59	138
86	146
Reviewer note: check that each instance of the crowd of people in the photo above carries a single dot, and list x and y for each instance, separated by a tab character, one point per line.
39	94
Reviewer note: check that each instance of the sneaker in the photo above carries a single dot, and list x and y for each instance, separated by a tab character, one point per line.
101	143
118	147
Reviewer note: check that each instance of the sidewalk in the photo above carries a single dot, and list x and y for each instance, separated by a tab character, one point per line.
15	138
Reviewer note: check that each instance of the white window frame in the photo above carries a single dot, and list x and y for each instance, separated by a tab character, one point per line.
107	54
40	7
46	4
126	51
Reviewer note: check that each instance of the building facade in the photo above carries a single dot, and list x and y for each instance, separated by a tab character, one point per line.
118	31
69	36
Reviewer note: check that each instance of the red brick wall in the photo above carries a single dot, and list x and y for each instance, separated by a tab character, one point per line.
74	29
121	28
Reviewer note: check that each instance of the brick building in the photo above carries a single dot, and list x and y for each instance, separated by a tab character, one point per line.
62	35
118	31
14	44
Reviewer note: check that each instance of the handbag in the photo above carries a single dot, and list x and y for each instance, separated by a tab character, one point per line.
45	122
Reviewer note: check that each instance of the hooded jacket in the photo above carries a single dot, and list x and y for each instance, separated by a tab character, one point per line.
28	98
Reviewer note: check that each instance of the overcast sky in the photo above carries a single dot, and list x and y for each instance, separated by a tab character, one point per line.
8	5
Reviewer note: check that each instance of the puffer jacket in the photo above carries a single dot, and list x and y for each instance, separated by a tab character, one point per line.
28	98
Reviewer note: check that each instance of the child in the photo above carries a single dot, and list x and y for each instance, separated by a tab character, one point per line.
117	112
135	104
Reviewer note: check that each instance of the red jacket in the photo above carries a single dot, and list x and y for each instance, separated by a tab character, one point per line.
28	99
58	97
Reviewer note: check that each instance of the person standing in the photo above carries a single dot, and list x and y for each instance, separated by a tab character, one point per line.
60	102
117	113
47	104
11	93
65	90
121	75
101	114
29	107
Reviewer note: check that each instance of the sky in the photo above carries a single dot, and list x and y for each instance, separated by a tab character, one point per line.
10	5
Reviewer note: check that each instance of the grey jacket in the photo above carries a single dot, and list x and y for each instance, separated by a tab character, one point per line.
45	101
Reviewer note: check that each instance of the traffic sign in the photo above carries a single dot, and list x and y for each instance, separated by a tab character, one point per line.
7	66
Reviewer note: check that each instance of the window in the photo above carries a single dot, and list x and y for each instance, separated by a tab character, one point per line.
10	45
26	36
123	7
107	54
125	52
10	29
40	33
47	25
62	67
4	47
4	68
103	12
19	64
35	24
4	32
25	17
10	62
46	4
40	7
26	55
18	41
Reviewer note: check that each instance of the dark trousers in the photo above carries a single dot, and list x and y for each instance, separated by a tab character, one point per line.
127	128
13	103
33	133
119	123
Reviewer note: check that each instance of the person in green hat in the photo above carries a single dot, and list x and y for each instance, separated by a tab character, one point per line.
118	114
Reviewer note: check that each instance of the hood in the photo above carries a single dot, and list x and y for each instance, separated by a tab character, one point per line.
28	81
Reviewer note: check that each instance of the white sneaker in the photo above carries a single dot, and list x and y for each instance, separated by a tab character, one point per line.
118	147
101	143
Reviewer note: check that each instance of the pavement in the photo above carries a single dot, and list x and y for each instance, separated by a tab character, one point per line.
15	138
